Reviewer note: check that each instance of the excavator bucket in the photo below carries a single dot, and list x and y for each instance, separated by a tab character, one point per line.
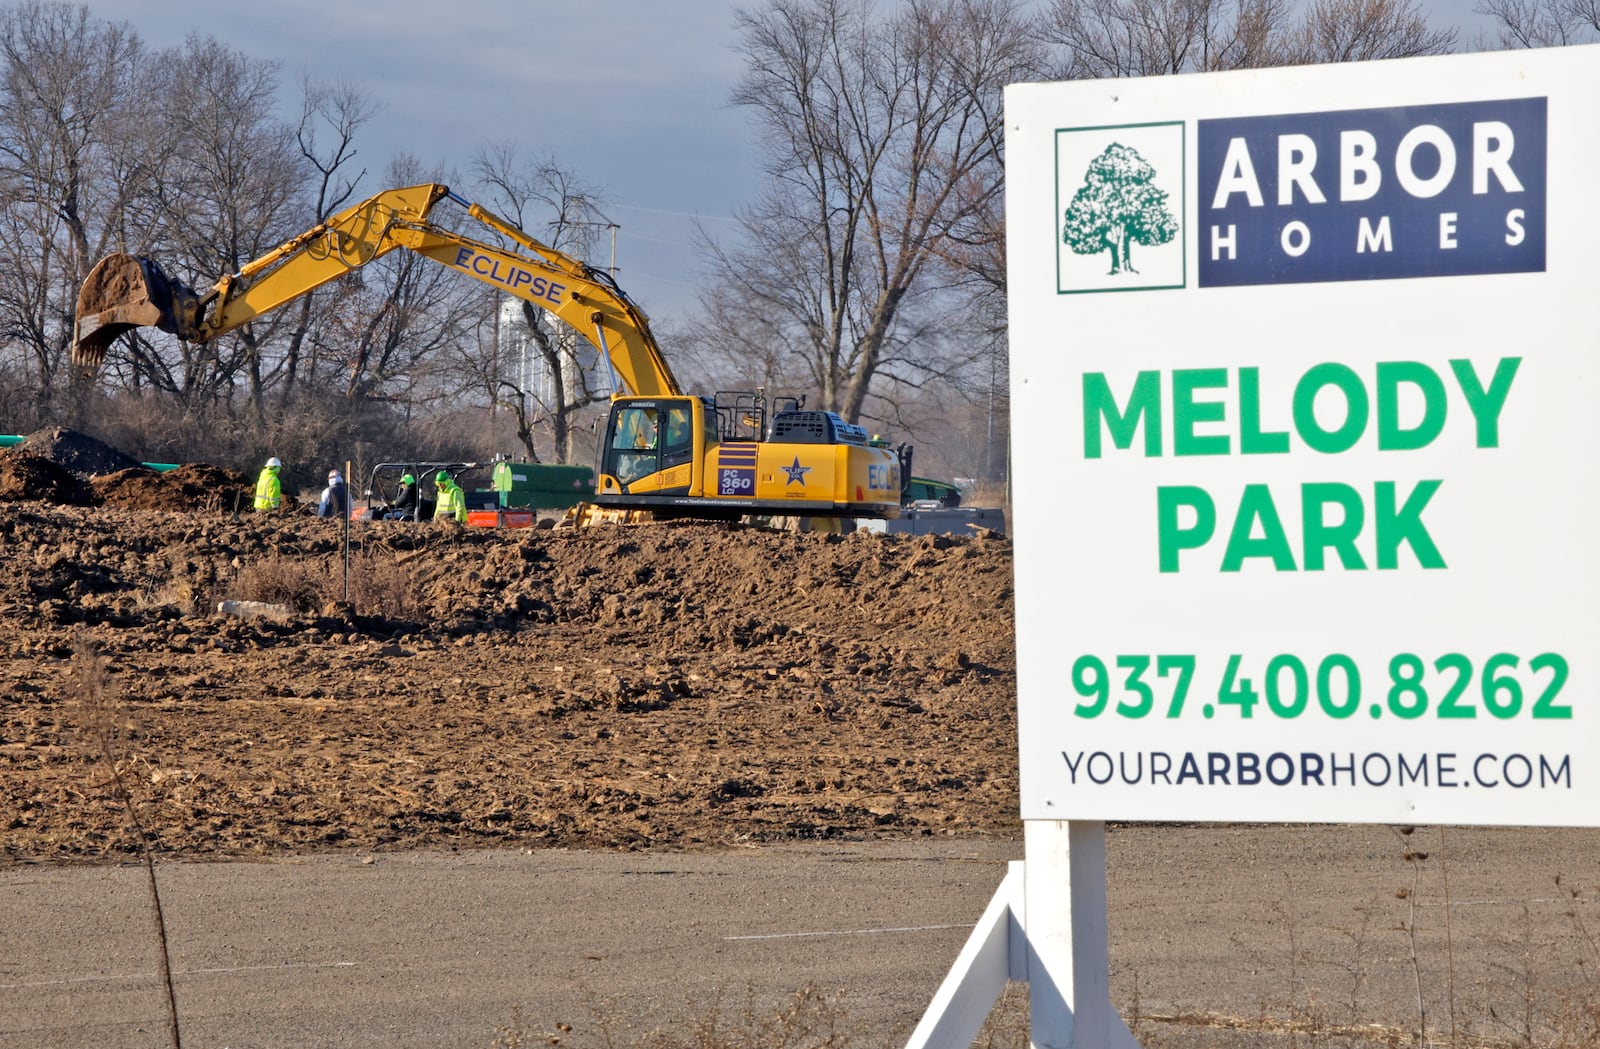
121	293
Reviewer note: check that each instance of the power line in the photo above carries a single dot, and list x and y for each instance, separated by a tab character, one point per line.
679	214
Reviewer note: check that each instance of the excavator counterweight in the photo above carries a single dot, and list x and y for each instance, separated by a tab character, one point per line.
121	293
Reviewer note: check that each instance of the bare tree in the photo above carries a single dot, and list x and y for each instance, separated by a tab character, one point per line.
572	212
379	328
1363	30
1118	38
735	343
229	189
1543	23
882	140
66	92
181	156
973	256
330	117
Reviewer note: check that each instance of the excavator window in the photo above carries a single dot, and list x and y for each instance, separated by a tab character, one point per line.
634	441
679	446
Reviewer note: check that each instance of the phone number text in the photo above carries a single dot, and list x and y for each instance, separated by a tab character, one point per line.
1451	686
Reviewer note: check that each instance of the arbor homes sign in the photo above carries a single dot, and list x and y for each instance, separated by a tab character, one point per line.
1306	426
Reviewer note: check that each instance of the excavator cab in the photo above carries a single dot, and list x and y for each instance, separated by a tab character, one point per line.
651	444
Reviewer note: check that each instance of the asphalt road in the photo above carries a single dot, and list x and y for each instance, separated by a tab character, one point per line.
439	949
1221	936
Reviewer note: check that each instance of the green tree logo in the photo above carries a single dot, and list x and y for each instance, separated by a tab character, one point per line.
1116	207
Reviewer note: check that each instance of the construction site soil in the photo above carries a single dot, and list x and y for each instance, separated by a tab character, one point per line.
664	687
670	686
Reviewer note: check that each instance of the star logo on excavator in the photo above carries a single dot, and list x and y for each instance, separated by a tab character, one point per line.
796	472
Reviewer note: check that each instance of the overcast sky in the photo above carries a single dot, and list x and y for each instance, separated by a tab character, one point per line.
630	94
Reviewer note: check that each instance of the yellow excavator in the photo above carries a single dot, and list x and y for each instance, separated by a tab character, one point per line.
665	452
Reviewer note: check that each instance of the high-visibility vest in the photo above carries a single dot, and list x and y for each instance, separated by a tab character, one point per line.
269	491
452	502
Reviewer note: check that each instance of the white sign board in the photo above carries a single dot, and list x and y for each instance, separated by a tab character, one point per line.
1305	427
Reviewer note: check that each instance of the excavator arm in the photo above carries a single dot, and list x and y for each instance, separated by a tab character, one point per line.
585	299
124	292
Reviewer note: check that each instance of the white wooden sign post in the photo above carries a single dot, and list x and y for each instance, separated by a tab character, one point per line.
1305	375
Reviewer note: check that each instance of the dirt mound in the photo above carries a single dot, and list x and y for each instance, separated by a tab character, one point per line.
26	476
192	486
65	467
77	452
652	686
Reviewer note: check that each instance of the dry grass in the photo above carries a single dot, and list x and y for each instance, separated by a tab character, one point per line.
810	1019
813	1019
178	594
296	585
1533	1000
989	493
378	585
1007	1023
1576	1019
1568	1019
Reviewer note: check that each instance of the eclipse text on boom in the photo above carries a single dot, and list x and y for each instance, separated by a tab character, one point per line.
514	277
1186	412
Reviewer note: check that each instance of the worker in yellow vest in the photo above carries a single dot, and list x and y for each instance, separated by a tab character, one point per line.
451	501
269	490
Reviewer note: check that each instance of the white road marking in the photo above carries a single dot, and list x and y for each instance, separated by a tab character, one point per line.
177	973
1504	901
845	932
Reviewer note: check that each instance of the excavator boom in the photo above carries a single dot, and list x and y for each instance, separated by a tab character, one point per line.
587	300
124	292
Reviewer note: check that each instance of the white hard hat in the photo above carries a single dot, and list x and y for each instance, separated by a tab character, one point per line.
274	462
333	475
